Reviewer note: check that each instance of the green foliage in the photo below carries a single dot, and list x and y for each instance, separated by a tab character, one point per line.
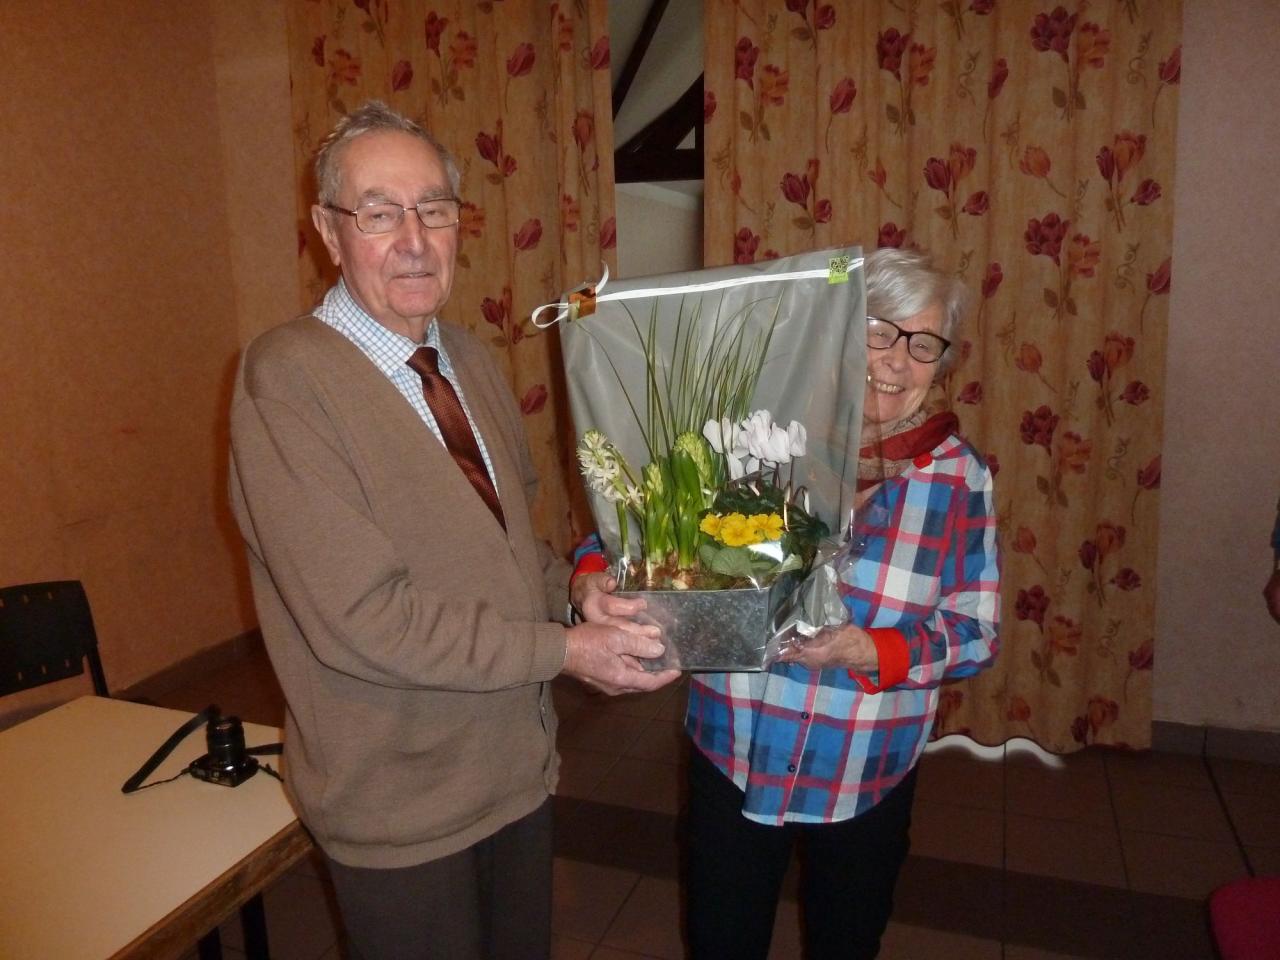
656	511
803	531
703	375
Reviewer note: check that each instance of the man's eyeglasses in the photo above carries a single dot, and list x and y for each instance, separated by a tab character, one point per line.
384	216
922	345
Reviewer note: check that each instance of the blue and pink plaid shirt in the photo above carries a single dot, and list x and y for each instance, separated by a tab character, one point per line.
811	746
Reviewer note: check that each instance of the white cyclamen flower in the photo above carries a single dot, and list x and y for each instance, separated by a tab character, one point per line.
729	440
766	441
798	437
719	433
778	446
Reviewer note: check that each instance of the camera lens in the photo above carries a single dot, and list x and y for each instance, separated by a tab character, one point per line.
226	741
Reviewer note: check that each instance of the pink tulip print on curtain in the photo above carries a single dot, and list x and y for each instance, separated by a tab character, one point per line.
1030	148
518	91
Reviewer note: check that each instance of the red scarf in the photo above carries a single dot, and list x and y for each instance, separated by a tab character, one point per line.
897	450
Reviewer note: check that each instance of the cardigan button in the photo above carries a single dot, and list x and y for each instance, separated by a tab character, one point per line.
791	768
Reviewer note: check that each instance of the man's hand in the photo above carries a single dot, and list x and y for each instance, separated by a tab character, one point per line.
1272	594
845	646
591	594
605	655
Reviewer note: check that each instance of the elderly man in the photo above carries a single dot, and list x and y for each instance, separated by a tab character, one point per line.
382	482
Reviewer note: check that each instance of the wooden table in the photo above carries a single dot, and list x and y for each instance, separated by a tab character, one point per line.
87	872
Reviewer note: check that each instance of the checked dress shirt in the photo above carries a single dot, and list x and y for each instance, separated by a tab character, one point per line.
815	746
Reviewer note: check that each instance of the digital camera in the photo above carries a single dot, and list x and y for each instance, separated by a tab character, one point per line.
227	761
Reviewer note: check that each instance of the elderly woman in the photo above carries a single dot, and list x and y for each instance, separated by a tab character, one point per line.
821	749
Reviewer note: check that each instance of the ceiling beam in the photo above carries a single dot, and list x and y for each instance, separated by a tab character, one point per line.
629	69
654	153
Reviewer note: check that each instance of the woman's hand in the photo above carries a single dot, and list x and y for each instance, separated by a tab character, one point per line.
845	646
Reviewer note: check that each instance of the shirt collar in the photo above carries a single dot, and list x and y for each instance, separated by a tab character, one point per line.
388	350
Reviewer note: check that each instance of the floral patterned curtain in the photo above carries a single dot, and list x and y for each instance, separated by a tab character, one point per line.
1030	148
519	92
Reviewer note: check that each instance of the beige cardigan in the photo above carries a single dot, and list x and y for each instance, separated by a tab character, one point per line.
411	636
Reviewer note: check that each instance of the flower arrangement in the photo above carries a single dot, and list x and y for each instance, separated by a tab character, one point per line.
710	507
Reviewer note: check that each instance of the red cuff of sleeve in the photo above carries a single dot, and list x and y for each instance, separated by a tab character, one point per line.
893	657
590	563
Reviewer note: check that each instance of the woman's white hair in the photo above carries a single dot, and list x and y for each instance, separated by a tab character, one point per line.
371	117
902	283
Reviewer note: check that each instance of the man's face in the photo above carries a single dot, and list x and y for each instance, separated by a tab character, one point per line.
401	278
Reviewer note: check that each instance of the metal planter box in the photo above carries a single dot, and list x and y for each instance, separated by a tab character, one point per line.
717	631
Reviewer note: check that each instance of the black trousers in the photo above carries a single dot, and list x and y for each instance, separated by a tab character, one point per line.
491	901
735	869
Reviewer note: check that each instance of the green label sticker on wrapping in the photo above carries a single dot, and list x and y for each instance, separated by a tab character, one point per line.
838	270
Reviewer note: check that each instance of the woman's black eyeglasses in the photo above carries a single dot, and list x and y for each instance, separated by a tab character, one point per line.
922	345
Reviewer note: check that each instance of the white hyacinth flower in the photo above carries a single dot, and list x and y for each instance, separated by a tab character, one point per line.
598	462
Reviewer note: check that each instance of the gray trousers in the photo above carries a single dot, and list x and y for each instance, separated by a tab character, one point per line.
491	901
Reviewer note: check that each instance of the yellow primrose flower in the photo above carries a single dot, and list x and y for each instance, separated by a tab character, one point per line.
710	524
735	531
770	526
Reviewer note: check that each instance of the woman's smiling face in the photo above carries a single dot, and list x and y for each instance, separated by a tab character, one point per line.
896	382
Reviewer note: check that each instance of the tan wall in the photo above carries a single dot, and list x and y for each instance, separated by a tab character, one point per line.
252	66
659	229
1217	651
125	294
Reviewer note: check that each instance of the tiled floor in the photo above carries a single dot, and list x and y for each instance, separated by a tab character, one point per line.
1109	855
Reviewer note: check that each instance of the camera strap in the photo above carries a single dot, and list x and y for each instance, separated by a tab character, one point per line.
134	783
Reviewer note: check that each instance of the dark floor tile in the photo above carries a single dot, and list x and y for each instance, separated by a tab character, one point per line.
568	695
602	732
638	840
1092	921
1171	810
662	741
959	779
934	833
642	705
1077	793
1179	866
673	708
1078	919
1171	929
1076	852
1258	746
1256	818
581	771
962	898
1158	767
1245	778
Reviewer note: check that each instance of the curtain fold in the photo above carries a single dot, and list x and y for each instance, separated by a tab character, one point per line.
519	92
1030	148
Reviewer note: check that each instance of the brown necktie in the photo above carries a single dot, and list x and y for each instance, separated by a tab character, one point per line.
454	426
